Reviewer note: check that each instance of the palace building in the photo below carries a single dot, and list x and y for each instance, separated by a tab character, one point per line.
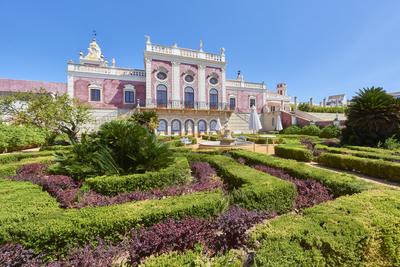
187	88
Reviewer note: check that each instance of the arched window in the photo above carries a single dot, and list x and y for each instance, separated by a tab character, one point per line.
202	125
213	99
176	127
189	97
162	126
161	96
189	126
213	125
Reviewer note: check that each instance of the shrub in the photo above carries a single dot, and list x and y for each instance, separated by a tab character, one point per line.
361	154
297	153
390	143
292	130
197	257
119	147
311	130
358	230
53	230
252	189
330	131
339	184
372	167
16	137
309	192
176	173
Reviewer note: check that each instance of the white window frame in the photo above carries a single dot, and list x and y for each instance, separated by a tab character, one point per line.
130	88
96	87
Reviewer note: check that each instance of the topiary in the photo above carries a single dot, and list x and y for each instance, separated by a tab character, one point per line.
292	130
330	131
311	130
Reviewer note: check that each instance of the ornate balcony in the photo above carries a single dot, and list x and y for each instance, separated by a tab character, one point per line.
183	105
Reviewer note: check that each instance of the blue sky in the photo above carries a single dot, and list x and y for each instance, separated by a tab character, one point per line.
318	47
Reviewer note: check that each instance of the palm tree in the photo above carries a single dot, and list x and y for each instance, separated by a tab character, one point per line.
372	116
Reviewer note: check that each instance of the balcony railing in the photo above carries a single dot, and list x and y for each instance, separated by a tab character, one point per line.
189	105
106	70
184	52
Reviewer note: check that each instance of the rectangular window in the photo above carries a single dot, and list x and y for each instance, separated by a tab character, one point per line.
252	102
95	95
232	103
129	97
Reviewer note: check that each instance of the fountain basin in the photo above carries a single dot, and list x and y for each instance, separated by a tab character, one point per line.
235	143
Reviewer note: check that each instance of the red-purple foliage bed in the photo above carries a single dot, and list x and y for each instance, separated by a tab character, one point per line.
68	192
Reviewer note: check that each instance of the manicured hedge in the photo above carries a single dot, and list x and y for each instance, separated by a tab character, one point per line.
374	149
252	189
210	137
232	258
10	168
358	230
17	156
17	137
357	153
291	152
40	226
372	167
339	184
176	173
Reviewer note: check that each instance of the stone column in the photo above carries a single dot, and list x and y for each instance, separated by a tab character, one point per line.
169	129
70	86
202	86
176	92
223	87
149	87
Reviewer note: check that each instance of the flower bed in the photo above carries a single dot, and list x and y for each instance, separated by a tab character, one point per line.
250	188
309	192
358	230
68	193
227	231
339	184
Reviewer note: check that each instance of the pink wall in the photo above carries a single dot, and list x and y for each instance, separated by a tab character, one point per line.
10	85
112	95
242	99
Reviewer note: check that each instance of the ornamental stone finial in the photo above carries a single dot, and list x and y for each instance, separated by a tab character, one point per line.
113	62
222	51
175	45
201	46
81	54
147	39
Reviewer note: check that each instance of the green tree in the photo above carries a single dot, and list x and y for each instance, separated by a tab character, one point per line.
147	119
54	113
372	117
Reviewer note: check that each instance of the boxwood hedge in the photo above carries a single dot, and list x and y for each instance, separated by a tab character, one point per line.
339	184
358	230
252	189
358	153
40	225
176	173
372	167
292	152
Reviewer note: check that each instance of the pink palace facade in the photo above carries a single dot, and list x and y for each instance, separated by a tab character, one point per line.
187	88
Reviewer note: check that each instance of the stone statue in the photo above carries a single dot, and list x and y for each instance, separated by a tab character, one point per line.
147	39
94	51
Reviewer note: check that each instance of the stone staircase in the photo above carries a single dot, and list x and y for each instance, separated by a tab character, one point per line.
239	122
